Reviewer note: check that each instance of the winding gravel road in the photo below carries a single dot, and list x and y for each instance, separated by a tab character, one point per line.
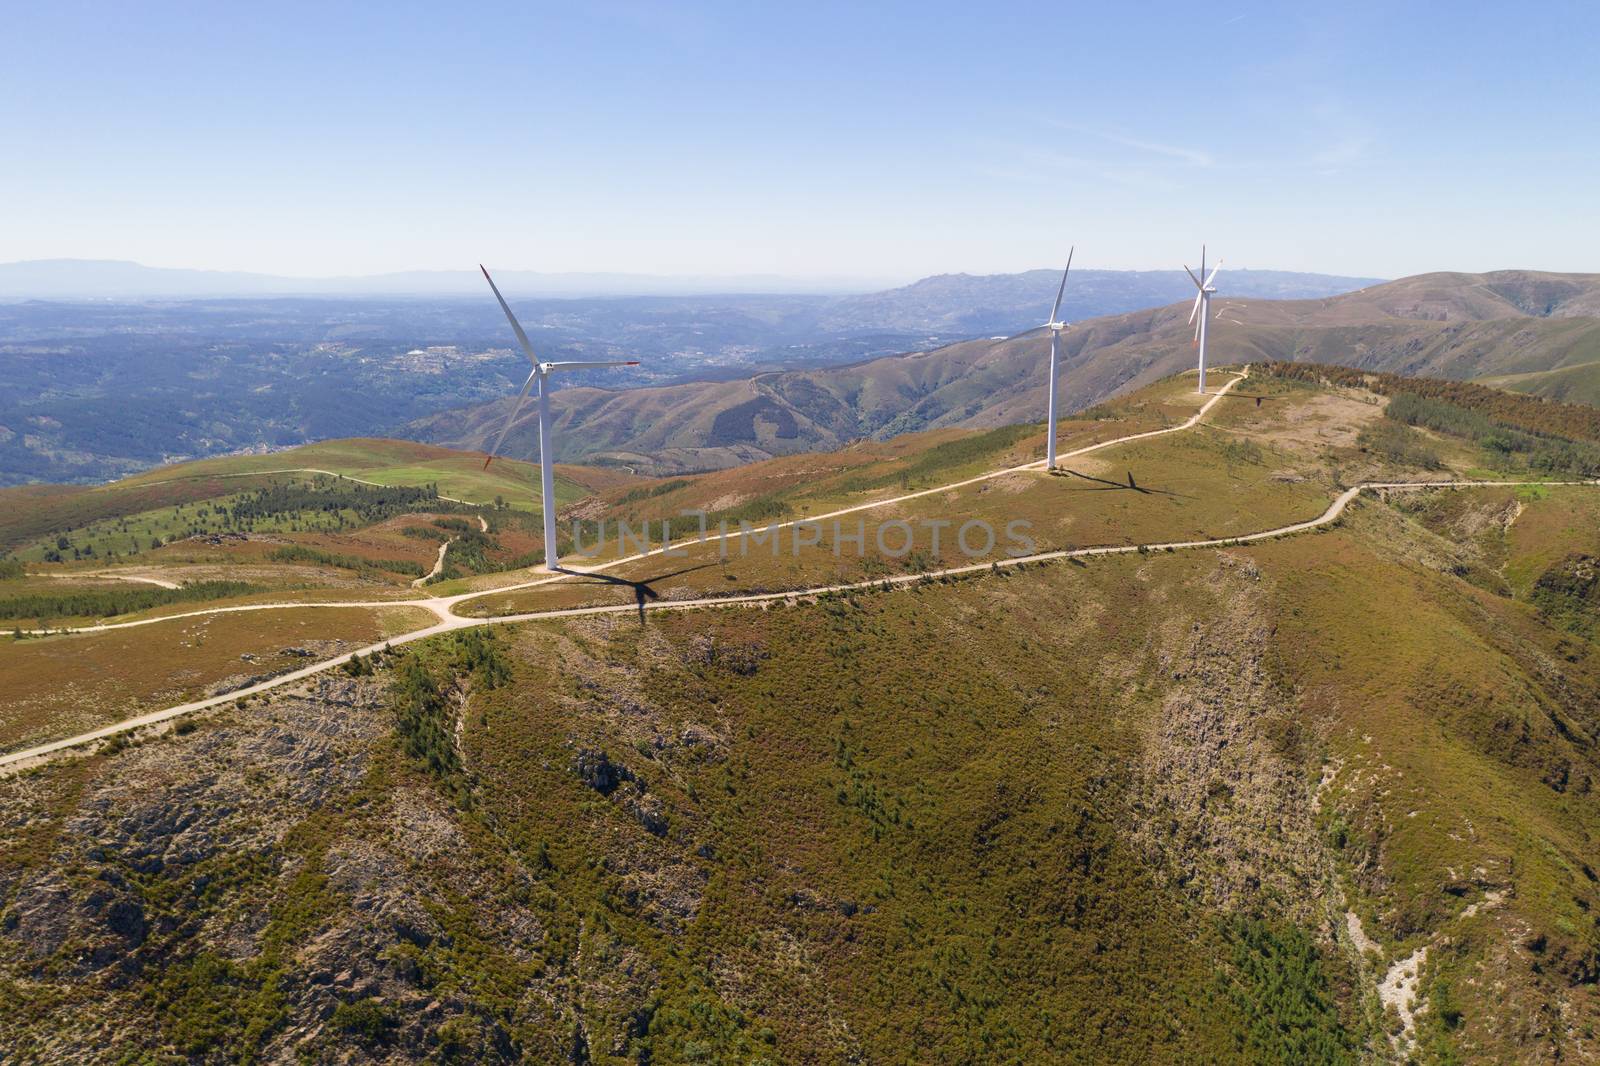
442	606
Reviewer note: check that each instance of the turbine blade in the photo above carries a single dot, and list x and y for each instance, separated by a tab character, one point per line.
1195	310
1192	278
580	364
1055	308
522	338
516	409
1214	272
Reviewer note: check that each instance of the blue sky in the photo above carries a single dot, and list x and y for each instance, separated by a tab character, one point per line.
884	141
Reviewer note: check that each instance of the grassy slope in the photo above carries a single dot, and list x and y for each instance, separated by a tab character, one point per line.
57	686
1072	813
31	512
398	462
882	831
1568	384
928	824
1461	733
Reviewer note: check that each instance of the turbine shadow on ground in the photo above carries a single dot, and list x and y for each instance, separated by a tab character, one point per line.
1130	484
642	591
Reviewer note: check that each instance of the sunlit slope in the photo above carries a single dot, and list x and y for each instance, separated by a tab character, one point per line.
52	687
1179	807
31	512
396	462
1579	383
1269	454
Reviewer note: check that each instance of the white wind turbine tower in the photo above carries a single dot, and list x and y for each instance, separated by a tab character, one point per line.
1202	307
1055	326
541	374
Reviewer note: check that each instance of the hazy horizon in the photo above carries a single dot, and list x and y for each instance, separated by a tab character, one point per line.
63	272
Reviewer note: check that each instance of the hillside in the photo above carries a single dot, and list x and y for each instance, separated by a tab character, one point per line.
1441	325
1206	778
31	512
1007	303
1570	384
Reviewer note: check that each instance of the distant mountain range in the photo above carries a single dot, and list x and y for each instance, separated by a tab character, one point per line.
1442	325
1006	303
948	303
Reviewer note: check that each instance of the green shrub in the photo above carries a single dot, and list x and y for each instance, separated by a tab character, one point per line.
1399	443
367	1018
1277	983
300	553
646	492
422	703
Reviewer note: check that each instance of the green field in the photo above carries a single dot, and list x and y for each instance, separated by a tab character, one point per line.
122	538
39	513
1568	384
392	462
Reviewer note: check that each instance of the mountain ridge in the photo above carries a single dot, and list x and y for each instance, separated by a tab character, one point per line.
1444	325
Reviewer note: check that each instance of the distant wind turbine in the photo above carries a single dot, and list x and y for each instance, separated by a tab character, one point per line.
541	375
1055	326
1202	307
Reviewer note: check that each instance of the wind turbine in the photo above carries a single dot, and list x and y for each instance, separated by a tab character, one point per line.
1202	307
541	374
1055	326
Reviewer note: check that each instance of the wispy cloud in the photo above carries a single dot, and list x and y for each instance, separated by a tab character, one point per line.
1026	164
1192	156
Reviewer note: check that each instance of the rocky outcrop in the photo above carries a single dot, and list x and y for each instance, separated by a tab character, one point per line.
1224	808
244	854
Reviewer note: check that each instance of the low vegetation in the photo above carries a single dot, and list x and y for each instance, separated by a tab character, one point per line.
1278	981
1114	810
300	553
109	602
1542	453
470	553
288	506
426	690
1530	413
1392	439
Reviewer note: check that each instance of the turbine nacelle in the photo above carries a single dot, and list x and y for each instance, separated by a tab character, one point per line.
550	368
